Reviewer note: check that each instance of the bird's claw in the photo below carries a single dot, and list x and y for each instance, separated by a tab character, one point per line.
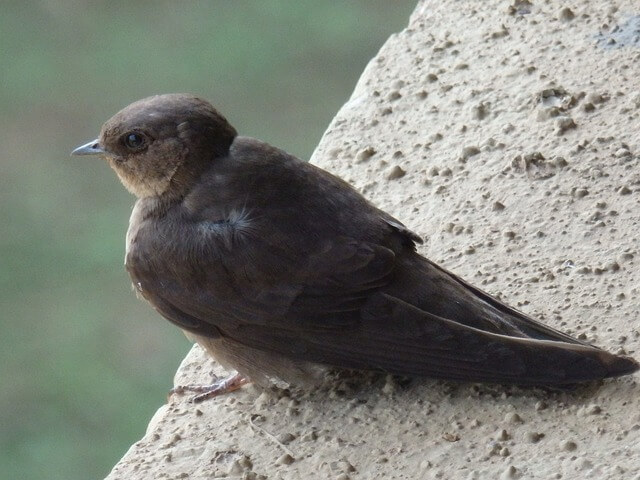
218	387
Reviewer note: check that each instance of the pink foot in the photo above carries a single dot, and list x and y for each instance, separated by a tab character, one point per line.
218	387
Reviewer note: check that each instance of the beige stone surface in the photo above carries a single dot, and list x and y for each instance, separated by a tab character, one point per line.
508	135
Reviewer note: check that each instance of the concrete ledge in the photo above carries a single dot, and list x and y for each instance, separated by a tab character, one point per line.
508	135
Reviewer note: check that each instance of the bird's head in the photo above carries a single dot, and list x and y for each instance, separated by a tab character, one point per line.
160	145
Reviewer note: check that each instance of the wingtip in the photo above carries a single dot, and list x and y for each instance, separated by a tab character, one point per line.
619	365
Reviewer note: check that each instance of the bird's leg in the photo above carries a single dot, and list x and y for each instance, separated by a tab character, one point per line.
220	386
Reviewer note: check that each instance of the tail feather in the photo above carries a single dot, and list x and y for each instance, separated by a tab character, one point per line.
424	344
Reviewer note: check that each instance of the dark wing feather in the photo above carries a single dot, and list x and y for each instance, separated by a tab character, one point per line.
396	337
521	322
339	316
326	289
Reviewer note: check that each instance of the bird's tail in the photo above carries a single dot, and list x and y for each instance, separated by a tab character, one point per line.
400	338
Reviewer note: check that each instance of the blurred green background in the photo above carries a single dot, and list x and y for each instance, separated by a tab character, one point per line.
83	363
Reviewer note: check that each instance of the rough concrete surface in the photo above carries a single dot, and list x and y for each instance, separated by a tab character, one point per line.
508	135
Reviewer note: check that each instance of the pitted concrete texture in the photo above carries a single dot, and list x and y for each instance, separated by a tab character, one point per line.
507	134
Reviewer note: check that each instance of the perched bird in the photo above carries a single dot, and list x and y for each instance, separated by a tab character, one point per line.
277	268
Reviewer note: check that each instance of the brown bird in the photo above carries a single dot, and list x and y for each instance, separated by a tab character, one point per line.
276	267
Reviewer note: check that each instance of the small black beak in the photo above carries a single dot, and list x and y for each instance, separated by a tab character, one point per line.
91	148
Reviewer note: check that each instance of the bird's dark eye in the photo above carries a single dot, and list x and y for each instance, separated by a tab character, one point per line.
134	141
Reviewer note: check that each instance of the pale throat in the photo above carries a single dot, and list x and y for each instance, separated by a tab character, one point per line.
142	186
